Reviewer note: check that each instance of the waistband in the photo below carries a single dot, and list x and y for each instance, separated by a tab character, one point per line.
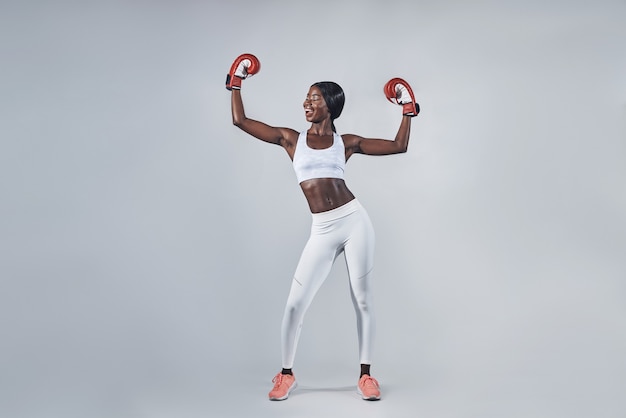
344	210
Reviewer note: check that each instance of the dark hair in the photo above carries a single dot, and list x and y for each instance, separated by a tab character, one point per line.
334	98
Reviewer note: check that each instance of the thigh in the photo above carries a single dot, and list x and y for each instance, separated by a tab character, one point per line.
314	266
359	247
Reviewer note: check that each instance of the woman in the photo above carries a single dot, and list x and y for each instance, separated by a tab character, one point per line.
340	223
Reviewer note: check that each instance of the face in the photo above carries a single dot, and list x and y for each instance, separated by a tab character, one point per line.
315	109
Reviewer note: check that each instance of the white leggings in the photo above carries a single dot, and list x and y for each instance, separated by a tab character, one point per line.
346	229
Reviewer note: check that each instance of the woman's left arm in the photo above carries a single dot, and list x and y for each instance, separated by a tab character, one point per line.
374	146
398	92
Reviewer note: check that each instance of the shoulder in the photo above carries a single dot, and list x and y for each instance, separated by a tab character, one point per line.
289	137
351	140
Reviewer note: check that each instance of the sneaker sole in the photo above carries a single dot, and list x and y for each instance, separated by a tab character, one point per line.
295	385
366	398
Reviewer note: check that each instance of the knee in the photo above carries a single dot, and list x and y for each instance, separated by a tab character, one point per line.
294	310
364	307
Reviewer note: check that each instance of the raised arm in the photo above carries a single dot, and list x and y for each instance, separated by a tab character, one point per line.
399	92
245	66
379	146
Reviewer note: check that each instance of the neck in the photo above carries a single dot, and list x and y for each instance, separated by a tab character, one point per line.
321	128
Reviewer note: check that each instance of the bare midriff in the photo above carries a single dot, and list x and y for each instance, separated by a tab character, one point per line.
326	194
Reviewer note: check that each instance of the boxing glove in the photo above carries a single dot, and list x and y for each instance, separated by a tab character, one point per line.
244	66
399	92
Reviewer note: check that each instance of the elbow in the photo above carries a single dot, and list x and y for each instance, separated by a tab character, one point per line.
238	122
400	146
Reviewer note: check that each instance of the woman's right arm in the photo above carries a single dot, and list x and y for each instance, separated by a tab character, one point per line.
284	137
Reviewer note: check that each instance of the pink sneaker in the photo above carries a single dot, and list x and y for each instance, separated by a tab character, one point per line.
283	385
368	388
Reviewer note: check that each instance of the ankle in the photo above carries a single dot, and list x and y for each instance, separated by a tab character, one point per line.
365	370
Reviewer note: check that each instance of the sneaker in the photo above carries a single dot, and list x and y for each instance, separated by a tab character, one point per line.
368	388
283	385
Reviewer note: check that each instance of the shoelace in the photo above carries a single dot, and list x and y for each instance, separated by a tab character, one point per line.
370	382
277	380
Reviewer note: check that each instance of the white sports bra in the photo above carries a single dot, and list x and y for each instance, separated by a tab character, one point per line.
310	163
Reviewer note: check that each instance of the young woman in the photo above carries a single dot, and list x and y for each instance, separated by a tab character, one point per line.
340	223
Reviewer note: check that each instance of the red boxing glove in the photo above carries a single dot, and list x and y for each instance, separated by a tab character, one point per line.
399	92
244	66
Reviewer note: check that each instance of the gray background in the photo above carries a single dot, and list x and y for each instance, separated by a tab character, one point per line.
147	245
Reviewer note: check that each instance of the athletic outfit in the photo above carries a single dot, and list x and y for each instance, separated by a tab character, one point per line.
346	229
309	163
